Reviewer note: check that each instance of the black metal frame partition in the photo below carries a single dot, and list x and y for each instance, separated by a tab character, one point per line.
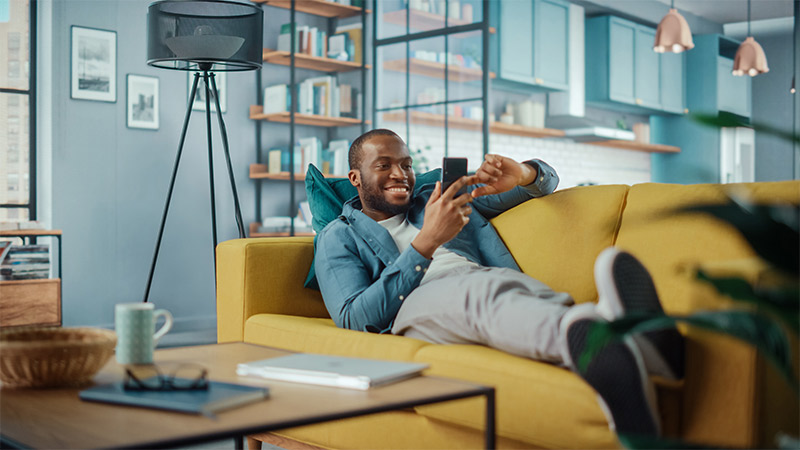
407	38
293	106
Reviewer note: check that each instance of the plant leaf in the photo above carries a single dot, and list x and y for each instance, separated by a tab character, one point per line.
782	303
750	327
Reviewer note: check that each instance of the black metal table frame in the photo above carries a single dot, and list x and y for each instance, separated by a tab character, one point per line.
239	434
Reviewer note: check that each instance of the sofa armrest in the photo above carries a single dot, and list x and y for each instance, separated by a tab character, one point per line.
263	275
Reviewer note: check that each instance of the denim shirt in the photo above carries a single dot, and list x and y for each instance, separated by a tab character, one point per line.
363	276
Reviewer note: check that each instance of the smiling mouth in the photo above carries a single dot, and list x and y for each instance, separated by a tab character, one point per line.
402	189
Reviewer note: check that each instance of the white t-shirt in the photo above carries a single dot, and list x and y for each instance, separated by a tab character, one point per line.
443	259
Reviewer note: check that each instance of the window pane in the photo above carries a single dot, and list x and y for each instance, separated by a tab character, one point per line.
14	150
14	42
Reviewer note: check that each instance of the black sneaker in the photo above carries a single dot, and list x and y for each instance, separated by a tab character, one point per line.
624	285
617	374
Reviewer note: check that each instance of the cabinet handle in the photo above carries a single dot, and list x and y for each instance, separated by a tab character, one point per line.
638	101
538	80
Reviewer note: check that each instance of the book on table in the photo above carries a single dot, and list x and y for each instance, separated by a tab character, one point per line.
218	397
326	370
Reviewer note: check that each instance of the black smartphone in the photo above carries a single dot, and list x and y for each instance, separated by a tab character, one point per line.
452	170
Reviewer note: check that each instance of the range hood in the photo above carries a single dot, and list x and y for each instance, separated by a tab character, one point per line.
567	110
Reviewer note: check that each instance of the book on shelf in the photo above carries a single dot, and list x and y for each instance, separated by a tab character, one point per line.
309	151
15	225
25	262
355	33
274	160
218	397
308	40
305	212
338	47
282	224
338	156
327	370
277	99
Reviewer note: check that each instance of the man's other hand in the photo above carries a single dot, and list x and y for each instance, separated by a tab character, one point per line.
445	216
501	174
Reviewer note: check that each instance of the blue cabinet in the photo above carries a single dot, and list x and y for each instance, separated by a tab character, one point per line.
532	42
733	92
623	72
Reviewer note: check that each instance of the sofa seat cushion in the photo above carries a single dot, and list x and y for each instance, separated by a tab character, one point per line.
540	403
557	238
314	335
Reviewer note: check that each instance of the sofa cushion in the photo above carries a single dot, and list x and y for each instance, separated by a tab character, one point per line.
557	238
313	335
540	403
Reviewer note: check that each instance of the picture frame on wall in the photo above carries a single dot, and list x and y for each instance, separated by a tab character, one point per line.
143	102
93	73
221	80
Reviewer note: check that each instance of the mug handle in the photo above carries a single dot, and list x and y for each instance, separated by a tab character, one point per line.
164	328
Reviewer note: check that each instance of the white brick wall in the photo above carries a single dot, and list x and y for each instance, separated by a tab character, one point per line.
575	163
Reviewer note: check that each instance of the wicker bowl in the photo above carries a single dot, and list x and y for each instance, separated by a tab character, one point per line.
38	357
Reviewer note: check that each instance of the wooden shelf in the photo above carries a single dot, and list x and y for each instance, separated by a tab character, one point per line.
425	118
26	233
436	70
638	146
257	113
425	21
254	232
316	7
304	61
259	171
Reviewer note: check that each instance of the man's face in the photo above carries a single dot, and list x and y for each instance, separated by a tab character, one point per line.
385	180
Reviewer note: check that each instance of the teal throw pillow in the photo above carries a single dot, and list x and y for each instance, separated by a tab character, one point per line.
326	197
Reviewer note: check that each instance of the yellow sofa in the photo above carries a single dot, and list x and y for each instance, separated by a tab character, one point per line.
730	397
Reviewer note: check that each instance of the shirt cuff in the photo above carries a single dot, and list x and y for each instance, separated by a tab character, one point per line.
546	178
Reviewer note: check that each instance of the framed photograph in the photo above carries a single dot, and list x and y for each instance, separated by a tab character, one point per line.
94	64
142	102
221	80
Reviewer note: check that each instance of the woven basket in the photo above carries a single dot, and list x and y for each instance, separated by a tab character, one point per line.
53	357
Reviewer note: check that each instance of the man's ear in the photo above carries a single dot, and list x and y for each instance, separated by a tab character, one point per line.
355	177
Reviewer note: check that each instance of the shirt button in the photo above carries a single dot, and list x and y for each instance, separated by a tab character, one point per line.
401	297
418	268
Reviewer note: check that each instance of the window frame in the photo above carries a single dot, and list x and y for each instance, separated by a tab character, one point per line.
31	205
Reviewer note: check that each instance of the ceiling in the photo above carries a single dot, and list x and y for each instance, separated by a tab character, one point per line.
732	11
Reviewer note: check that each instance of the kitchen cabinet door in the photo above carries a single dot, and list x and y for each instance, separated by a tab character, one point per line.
647	69
621	54
673	90
733	93
550	43
516	41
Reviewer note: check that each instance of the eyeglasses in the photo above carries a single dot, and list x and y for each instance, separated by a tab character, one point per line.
180	377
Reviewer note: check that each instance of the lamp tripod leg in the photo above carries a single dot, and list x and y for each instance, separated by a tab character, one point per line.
224	133
206	77
171	187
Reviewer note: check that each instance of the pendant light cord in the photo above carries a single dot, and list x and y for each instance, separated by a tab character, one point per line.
748	18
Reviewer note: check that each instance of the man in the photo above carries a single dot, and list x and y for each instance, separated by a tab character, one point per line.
429	265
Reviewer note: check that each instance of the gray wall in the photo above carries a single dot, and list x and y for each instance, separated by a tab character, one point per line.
773	105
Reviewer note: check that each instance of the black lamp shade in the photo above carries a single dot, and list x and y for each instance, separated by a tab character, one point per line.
211	35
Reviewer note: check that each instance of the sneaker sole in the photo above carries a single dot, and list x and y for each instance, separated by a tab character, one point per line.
663	350
627	393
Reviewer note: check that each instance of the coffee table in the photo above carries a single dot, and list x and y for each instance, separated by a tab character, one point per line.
57	418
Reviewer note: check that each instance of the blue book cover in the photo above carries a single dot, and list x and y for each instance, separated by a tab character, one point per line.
219	396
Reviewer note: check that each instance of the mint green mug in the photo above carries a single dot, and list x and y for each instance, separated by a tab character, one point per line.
135	325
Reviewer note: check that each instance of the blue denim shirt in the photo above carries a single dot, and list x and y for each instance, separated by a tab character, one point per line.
363	276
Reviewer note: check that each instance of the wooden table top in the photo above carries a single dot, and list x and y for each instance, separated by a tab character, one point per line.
57	418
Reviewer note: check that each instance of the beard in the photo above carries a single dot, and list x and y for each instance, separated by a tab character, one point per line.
372	197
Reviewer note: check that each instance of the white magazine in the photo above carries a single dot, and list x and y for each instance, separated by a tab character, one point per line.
326	370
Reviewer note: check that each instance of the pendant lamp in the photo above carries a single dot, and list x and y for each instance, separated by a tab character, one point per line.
750	58
673	33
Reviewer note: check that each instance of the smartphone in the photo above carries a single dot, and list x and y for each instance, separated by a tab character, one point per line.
452	170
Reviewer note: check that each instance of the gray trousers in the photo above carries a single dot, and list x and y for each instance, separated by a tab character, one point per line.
500	308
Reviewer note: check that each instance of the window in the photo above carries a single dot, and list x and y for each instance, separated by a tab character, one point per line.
17	103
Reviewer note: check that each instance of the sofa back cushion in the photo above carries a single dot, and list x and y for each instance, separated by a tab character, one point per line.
556	238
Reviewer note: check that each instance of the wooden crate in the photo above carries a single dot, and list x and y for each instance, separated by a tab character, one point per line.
30	302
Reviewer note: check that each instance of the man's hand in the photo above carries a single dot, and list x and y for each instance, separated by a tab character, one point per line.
445	216
501	174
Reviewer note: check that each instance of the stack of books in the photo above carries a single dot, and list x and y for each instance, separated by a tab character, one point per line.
25	262
321	96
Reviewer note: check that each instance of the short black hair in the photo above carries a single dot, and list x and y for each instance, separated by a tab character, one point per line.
356	153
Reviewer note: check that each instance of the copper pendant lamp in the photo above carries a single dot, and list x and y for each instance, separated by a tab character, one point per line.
750	58
673	33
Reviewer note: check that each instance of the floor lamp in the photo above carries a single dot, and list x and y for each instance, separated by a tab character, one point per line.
203	36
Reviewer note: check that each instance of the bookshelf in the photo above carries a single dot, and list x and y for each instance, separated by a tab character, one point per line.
425	118
31	302
637	146
325	66
432	69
